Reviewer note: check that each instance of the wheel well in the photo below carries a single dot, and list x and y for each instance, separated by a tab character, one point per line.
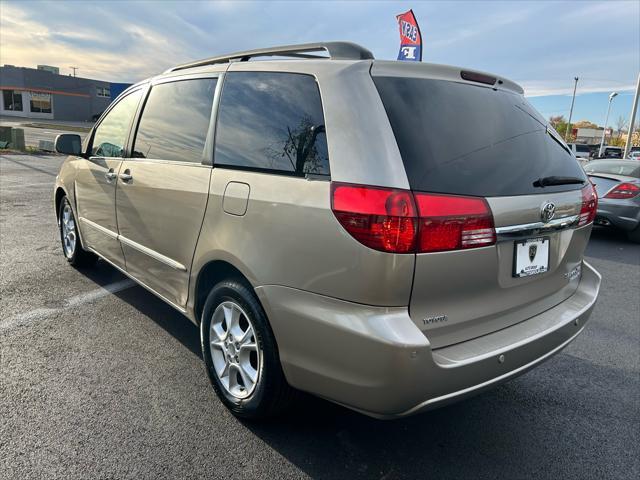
211	274
59	194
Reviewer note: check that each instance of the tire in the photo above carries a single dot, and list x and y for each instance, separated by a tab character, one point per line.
71	244
634	235
270	394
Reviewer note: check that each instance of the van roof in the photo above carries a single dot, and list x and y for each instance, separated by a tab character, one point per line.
347	51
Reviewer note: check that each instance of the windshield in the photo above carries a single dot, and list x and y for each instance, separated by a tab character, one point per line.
629	169
614	152
470	140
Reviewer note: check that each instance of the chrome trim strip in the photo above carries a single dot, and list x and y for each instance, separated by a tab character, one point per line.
555	224
100	228
152	253
141	248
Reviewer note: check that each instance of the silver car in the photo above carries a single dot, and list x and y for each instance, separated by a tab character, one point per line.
618	185
389	236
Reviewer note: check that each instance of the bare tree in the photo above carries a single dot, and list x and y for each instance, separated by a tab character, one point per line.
299	148
557	120
621	124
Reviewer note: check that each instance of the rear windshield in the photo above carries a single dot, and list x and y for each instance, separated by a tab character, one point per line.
462	139
613	151
630	169
582	148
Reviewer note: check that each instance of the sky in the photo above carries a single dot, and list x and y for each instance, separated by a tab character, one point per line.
541	45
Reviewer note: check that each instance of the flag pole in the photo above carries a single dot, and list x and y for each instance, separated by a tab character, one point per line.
634	110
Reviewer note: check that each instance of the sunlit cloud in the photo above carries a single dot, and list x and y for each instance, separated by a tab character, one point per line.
541	45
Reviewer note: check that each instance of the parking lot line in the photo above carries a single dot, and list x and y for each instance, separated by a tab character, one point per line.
87	297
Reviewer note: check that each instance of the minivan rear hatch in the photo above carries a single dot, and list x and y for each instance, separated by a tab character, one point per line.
482	140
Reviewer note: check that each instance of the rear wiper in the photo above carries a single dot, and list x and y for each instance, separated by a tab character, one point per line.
553	180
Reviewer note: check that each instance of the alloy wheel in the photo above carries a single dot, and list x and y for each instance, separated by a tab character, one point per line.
68	226
236	356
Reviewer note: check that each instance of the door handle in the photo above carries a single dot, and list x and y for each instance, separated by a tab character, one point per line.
110	175
126	176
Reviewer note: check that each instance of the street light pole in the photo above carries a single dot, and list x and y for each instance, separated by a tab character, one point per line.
566	134
606	120
634	110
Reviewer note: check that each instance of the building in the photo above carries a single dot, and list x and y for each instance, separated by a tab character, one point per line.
42	93
49	68
592	135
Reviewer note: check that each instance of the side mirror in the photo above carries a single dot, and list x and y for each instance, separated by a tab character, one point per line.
69	143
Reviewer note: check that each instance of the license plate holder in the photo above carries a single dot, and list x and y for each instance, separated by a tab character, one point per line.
530	257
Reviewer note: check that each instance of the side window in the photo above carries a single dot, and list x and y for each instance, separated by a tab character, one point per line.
175	121
271	121
111	135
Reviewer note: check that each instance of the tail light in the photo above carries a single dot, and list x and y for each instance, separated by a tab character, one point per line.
399	221
380	218
589	205
451	222
623	190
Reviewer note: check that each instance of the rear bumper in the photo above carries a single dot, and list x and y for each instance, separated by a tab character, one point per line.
622	214
375	360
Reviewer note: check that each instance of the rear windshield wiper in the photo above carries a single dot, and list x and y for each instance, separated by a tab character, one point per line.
553	180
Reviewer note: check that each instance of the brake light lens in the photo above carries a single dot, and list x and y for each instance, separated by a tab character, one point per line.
623	190
589	205
380	218
451	222
399	221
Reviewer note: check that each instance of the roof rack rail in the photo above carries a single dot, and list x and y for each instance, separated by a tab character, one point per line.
336	51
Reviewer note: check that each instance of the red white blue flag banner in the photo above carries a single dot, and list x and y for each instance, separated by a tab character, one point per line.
410	37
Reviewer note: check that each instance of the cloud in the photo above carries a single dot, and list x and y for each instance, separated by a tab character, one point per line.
542	90
541	45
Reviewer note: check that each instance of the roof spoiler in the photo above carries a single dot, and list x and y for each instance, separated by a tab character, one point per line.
336	51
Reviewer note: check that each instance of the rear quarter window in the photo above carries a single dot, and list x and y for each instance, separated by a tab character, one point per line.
271	122
471	140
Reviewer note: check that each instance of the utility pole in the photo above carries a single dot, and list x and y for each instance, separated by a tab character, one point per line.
567	133
74	70
606	120
634	110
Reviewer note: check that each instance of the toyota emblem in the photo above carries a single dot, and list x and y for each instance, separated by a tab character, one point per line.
547	212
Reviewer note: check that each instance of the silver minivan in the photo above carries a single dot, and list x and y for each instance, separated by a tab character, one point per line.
389	236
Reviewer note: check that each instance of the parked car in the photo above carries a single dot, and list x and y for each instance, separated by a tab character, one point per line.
580	150
634	155
612	152
618	185
593	150
328	229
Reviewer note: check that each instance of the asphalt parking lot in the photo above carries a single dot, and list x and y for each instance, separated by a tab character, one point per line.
99	379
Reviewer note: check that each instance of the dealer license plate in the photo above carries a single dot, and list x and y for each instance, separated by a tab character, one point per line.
531	257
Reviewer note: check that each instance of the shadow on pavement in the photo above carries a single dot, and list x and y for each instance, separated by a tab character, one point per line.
527	428
165	316
553	422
